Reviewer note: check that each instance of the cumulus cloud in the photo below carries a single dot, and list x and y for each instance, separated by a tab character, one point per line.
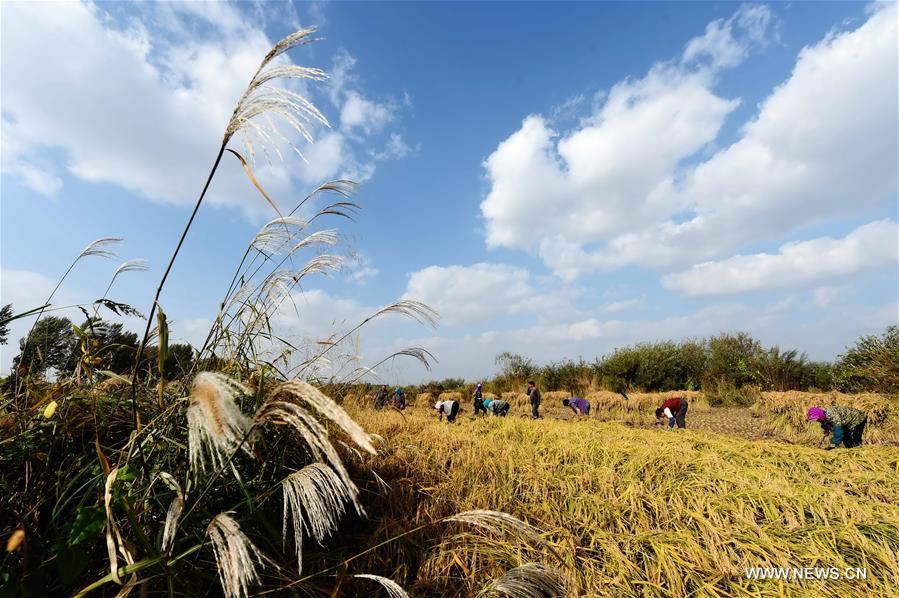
796	264
719	45
362	113
620	189
142	103
359	269
470	294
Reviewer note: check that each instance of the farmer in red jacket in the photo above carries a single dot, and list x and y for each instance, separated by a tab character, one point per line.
675	409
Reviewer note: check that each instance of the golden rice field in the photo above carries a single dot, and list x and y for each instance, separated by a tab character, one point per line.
632	510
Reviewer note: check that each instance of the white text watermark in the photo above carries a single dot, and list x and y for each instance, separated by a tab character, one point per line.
806	573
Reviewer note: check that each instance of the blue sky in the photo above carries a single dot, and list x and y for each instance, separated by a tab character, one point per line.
555	179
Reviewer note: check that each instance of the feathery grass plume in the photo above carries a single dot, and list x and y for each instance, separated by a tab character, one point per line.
531	580
501	524
421	354
277	286
298	390
278	233
322	237
263	99
99	248
313	433
314	501
234	556
394	590
418	311
216	425
260	99
135	265
173	513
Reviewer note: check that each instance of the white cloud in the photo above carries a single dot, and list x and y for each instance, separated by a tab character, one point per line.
359	269
796	264
611	175
142	104
623	305
826	295
616	191
325	158
720	47
359	112
470	294
396	147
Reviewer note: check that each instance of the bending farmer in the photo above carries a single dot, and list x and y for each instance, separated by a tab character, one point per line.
448	408
675	410
497	407
846	424
578	405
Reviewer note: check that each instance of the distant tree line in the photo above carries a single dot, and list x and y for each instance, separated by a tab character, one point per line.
729	367
57	344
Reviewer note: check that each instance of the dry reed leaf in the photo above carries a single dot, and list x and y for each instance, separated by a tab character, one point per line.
253	180
173	514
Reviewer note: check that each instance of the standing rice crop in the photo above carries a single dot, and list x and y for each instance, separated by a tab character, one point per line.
637	512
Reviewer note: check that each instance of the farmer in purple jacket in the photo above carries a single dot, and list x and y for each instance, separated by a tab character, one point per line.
578	405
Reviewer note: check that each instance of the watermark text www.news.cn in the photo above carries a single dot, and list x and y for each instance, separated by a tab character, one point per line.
806	573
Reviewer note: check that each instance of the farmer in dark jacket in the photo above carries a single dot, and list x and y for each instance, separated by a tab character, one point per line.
448	408
534	394
675	410
479	401
381	398
843	424
578	405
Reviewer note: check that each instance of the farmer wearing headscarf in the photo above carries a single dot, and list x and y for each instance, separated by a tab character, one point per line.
675	409
399	398
843	424
449	408
479	401
497	407
578	405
